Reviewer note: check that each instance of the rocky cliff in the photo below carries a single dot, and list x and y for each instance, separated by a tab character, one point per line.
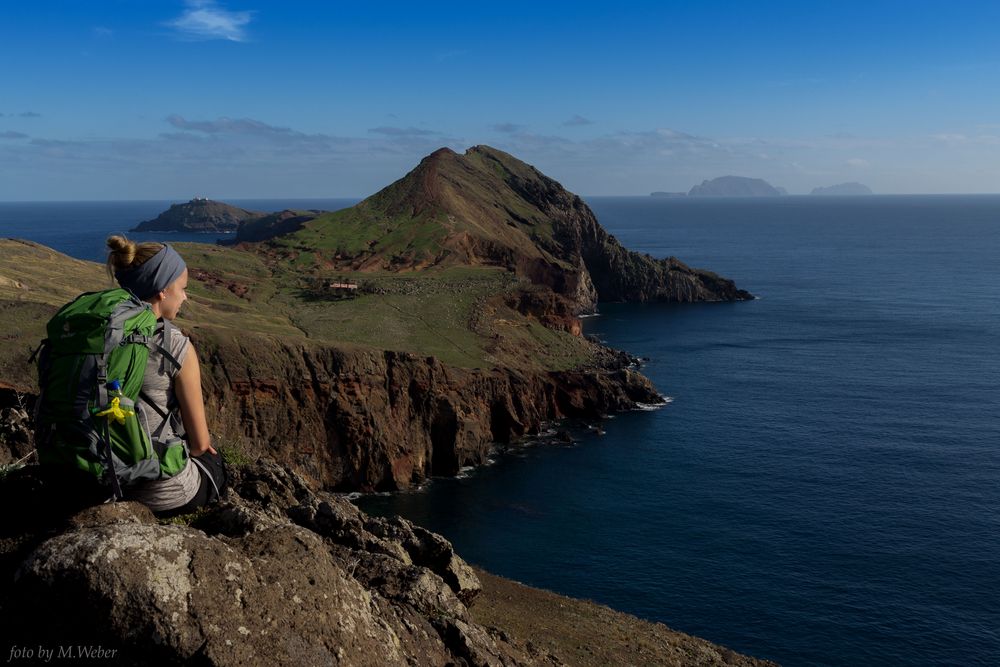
357	419
349	416
198	215
278	574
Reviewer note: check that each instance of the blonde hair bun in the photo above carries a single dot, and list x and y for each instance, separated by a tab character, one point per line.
124	254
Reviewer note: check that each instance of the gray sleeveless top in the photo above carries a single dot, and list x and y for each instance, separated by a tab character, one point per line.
158	388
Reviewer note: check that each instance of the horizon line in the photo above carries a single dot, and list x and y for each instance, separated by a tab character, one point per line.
629	196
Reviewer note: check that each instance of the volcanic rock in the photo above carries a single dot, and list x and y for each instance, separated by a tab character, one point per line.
276	574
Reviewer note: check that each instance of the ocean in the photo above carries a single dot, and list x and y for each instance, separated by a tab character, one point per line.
822	488
80	228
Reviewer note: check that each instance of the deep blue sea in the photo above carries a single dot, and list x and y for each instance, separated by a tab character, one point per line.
824	488
80	228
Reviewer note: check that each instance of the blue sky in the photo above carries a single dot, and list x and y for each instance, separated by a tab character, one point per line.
147	99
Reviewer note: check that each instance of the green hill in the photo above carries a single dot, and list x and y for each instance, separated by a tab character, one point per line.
487	208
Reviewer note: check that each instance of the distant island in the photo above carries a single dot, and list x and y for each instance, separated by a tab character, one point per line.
668	194
843	189
199	215
736	186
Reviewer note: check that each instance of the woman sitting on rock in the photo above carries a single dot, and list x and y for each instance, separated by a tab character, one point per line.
171	388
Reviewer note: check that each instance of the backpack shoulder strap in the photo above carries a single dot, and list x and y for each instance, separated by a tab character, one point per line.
163	348
159	344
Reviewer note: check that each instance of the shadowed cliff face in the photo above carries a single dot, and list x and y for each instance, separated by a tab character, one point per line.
356	419
615	273
365	420
487	207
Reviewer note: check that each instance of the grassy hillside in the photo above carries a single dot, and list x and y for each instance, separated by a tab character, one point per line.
454	314
450	210
487	208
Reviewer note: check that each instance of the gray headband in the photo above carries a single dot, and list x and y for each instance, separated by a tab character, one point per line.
152	276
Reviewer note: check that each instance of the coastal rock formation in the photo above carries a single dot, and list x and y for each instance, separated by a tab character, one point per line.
198	215
735	186
354	419
846	189
352	416
348	416
282	574
366	420
488	208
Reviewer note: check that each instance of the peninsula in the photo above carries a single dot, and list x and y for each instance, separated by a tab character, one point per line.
463	332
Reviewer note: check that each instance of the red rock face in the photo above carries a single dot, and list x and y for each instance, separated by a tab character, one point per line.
363	420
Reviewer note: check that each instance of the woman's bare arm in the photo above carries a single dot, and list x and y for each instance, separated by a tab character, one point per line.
187	387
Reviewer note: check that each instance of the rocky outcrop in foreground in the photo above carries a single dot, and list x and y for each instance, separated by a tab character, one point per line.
278	574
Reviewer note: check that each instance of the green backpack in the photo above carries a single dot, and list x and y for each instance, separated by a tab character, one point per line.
90	372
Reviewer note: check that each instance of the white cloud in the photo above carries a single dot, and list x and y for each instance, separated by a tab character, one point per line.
857	163
203	19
